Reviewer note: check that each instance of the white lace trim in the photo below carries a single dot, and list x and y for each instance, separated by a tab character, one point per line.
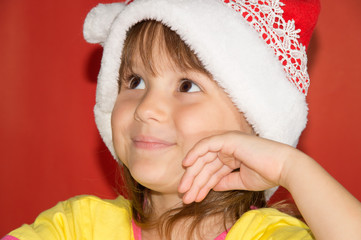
266	18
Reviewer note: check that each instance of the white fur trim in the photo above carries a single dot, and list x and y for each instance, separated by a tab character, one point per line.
229	48
99	20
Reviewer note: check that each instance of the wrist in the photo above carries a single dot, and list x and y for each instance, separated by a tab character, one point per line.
294	167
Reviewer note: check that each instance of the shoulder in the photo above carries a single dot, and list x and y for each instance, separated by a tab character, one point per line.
120	201
81	216
87	208
268	223
89	203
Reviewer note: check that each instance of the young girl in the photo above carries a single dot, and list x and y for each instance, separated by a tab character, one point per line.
203	101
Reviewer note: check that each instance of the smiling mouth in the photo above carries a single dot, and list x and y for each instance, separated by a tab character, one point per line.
150	143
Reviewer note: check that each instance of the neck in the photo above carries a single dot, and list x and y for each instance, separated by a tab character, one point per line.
210	227
163	202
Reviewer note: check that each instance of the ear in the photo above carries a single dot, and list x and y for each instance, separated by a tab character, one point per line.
98	21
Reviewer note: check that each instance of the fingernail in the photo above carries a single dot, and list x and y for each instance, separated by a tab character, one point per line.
184	162
180	188
187	199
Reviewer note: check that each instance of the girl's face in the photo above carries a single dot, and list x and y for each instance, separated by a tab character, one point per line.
157	118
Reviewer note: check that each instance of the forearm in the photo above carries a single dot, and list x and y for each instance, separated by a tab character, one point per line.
328	208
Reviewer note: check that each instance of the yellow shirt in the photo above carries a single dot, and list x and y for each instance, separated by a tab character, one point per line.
88	217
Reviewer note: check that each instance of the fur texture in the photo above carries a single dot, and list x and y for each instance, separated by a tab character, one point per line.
229	48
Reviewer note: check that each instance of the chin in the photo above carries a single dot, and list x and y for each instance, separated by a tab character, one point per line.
159	180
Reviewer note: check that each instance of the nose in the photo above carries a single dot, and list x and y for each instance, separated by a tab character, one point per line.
153	106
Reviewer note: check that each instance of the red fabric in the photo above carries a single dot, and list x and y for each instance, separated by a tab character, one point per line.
305	14
281	34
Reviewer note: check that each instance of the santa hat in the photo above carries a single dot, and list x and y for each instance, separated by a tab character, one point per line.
254	49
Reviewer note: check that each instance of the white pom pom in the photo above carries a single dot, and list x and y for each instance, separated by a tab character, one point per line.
99	20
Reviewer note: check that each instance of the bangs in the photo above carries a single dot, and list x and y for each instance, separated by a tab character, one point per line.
146	37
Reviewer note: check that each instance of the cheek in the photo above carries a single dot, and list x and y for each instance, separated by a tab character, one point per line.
211	117
198	121
208	119
120	121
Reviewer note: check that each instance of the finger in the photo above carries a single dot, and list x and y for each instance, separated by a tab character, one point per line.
213	181
201	180
210	144
243	180
192	171
229	160
232	181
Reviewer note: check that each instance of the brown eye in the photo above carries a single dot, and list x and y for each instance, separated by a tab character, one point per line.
136	82
188	86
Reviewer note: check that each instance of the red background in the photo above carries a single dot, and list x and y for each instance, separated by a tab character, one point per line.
50	149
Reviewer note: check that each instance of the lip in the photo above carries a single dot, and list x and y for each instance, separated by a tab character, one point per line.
151	143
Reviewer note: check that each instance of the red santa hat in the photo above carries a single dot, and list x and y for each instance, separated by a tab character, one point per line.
254	49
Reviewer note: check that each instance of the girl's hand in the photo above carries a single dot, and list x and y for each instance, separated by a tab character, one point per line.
210	164
230	161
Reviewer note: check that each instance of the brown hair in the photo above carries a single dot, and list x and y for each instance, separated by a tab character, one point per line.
142	39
